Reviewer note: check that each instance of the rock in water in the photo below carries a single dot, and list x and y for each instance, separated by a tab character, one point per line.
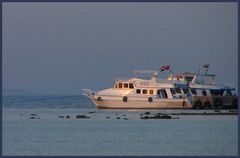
82	116
144	117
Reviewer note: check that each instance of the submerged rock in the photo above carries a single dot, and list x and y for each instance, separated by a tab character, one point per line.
157	116
164	116
33	114
147	113
144	117
118	118
125	118
67	117
92	112
32	117
107	117
61	116
81	116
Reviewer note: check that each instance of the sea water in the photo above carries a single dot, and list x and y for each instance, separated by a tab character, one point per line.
109	132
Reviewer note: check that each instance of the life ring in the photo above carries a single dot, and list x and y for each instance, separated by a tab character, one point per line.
125	99
207	105
198	104
235	103
150	99
99	99
218	103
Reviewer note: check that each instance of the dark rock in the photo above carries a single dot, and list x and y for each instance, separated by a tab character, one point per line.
67	117
61	116
92	112
118	117
33	114
108	117
147	113
144	117
157	116
123	115
125	118
166	116
82	116
32	117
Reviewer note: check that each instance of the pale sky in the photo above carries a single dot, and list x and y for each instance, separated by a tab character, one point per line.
60	48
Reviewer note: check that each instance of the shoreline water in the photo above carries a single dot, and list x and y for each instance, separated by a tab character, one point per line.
103	133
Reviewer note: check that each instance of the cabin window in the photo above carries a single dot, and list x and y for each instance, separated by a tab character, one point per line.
115	85
119	85
213	92
194	91
173	91
131	85
221	92
178	90
229	92
188	78
138	91
185	91
204	93
151	91
125	85
162	93
144	91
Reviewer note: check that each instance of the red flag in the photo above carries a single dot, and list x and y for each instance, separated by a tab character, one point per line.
206	66
165	67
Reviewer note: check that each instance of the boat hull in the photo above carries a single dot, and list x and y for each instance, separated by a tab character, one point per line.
141	103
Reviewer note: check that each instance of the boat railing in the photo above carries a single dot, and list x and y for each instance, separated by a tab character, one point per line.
88	92
121	79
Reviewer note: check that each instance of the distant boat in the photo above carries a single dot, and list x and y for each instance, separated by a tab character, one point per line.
206	94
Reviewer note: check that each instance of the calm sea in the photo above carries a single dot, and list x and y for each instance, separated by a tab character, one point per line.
108	132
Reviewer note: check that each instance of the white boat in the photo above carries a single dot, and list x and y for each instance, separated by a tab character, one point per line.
205	92
139	93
